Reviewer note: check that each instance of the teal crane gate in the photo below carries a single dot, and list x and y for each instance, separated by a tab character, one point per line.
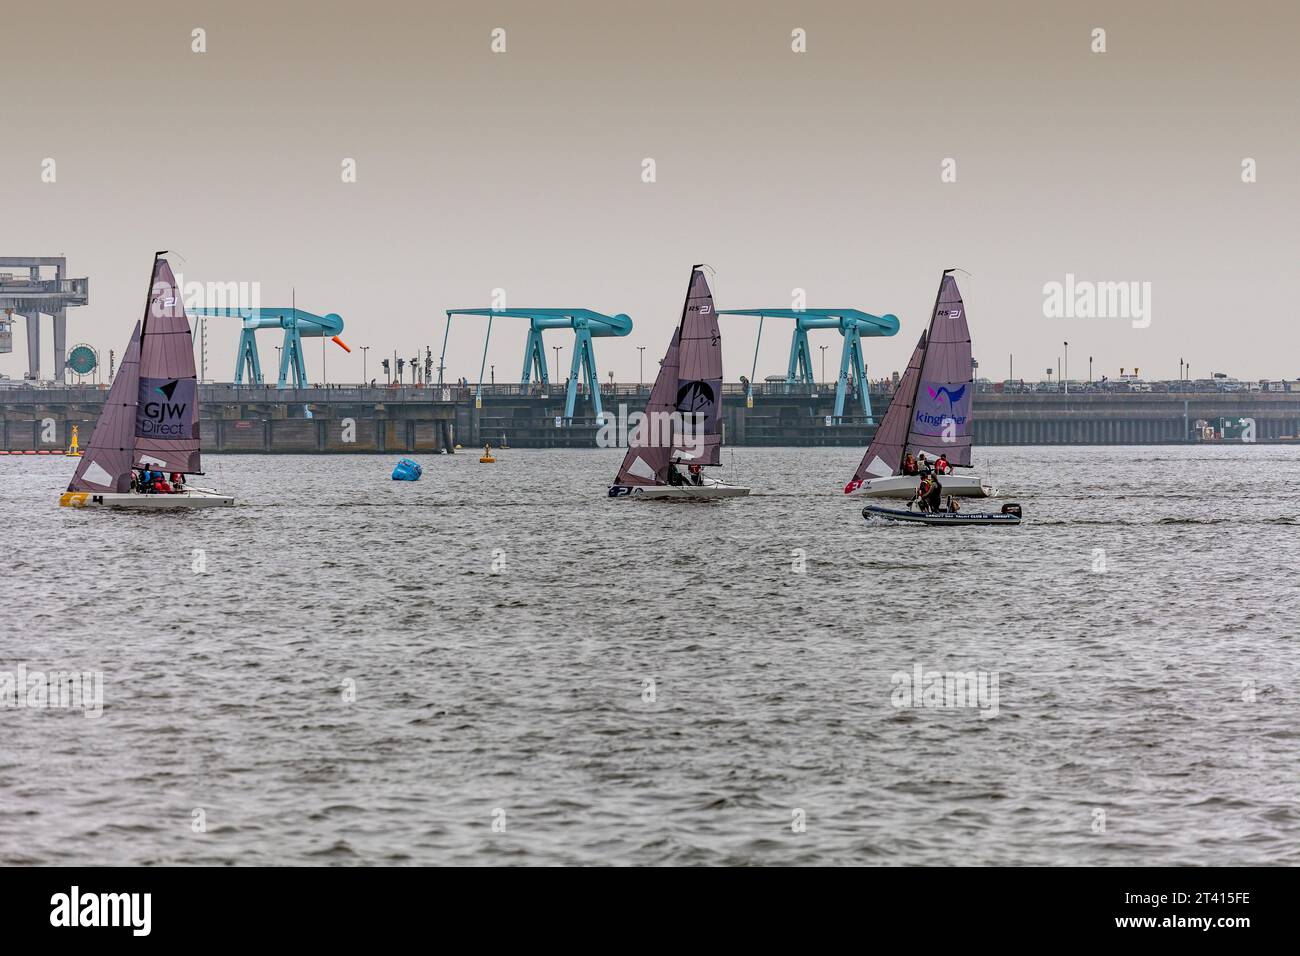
585	324
297	325
853	325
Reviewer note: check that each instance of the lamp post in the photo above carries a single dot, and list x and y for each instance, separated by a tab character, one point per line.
278	366
494	374
364	350
640	383
1089	369
823	348
557	362
1067	368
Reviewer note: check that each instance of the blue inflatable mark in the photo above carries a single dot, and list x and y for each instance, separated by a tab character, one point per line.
407	470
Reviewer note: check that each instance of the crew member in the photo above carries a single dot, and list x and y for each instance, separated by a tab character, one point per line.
941	466
934	495
696	478
909	465
922	494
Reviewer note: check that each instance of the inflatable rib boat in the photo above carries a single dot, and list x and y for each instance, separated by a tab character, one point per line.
1009	515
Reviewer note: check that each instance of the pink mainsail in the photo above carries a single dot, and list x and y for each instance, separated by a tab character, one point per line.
649	445
699	380
931	409
941	411
167	409
105	465
683	416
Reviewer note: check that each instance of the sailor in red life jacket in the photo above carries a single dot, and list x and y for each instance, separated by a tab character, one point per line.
696	478
922	498
941	466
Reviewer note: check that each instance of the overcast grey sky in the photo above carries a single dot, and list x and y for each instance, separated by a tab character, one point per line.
522	170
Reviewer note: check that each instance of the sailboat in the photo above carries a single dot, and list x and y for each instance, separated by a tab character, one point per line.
683	417
930	411
151	414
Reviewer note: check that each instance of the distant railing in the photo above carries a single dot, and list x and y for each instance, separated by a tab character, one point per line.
14	286
21	391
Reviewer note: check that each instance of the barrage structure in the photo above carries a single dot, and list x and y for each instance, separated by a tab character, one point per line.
32	292
410	419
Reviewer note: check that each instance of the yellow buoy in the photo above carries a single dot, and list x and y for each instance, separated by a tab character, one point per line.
487	458
73	450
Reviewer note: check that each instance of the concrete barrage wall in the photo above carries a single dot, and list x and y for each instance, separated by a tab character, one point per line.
410	419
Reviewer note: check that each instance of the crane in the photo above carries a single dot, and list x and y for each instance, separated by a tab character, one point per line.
853	325
297	325
585	324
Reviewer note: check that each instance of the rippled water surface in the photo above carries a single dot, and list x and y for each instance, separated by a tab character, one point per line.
502	625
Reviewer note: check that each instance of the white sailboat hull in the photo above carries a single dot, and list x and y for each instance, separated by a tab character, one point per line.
904	486
189	498
710	491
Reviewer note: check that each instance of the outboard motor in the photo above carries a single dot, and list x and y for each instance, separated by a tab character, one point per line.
1010	508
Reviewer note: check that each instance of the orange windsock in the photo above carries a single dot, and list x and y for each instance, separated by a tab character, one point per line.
341	344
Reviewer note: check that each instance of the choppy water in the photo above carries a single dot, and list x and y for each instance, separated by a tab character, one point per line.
1160	691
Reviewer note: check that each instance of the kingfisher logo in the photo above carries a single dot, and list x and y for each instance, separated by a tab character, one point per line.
939	421
953	397
949	407
165	408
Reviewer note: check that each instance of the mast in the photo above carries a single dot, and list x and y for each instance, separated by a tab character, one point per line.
929	335
148	296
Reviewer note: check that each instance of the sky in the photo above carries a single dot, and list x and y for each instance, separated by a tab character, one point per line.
904	139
